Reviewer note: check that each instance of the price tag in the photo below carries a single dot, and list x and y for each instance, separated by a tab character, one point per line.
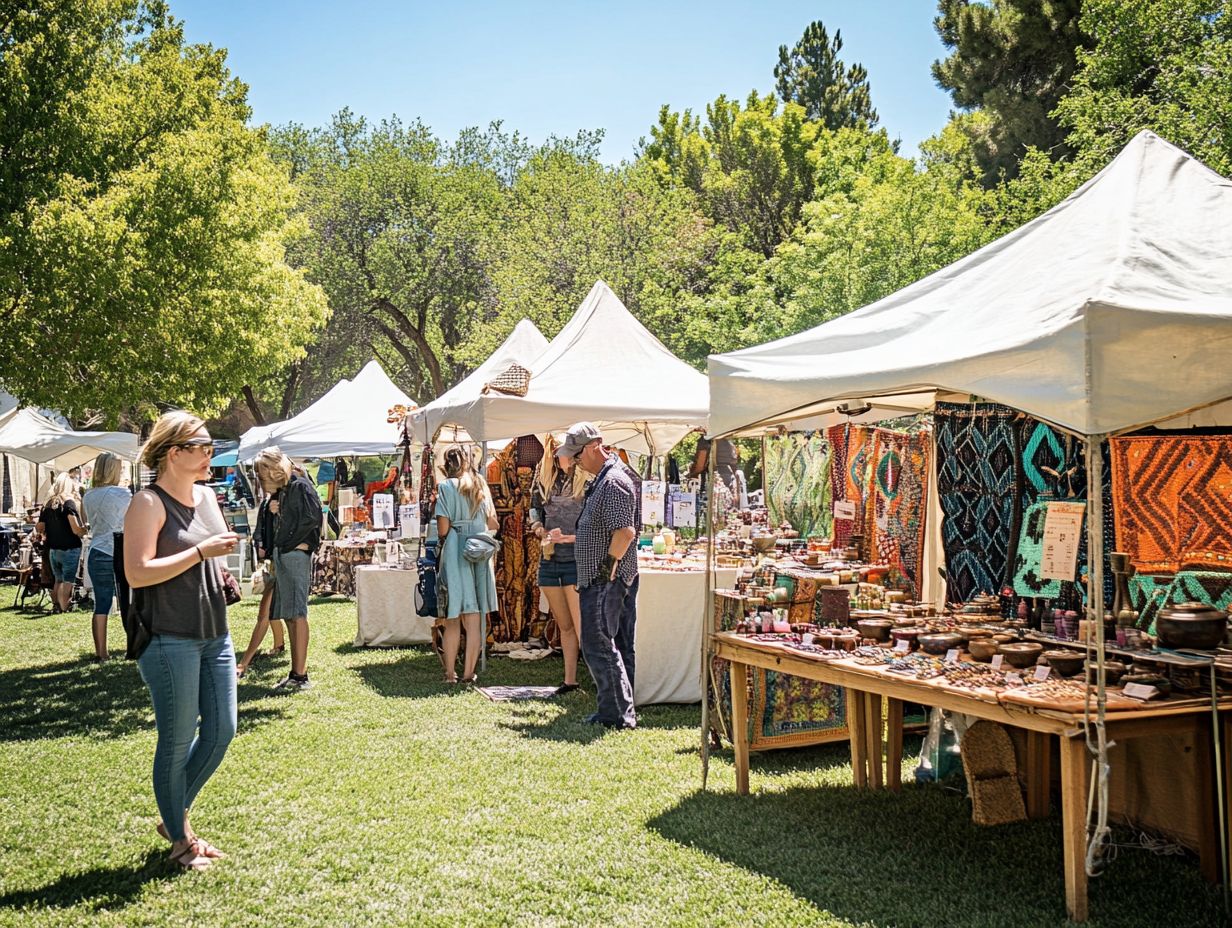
1014	679
845	510
806	638
902	646
951	656
997	661
1062	534
1041	673
1140	690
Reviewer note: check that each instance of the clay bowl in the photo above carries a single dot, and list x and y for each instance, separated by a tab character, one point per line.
1021	654
1065	663
1004	638
910	635
1113	672
939	642
763	544
982	649
877	629
1191	625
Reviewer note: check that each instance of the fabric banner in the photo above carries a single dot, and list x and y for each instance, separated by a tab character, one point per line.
517	587
899	506
851	448
798	483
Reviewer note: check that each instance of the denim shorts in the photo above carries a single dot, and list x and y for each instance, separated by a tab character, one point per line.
292	577
64	563
557	573
102	577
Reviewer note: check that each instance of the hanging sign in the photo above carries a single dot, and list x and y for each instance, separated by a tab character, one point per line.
408	520
382	510
1062	534
684	510
654	499
845	510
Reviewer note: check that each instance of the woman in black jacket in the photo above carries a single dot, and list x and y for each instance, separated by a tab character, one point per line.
297	534
263	538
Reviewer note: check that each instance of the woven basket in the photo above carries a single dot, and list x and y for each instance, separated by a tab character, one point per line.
514	381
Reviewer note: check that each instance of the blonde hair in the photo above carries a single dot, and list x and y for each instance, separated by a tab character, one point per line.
106	470
549	467
458	465
275	465
63	488
171	429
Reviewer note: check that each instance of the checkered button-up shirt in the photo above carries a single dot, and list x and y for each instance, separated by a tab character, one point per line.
611	504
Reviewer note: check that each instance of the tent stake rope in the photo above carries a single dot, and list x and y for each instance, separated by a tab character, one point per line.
1098	832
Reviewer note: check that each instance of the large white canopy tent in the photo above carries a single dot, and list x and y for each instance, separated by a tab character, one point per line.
524	344
1109	312
604	367
350	419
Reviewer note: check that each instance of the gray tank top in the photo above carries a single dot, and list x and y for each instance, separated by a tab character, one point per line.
562	512
191	605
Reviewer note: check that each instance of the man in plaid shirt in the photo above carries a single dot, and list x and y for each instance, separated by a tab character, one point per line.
606	574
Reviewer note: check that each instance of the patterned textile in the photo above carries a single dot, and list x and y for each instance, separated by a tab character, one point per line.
1052	463
1149	592
333	568
1027	560
798	483
851	477
978	486
899	504
517	563
1173	501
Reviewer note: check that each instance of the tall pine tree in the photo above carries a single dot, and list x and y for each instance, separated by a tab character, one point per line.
812	75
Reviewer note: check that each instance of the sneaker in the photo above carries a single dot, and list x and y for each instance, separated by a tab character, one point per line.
292	684
565	688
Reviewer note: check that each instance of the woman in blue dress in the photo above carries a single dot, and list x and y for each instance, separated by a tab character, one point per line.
464	509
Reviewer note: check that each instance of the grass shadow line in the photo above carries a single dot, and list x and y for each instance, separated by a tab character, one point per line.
102	888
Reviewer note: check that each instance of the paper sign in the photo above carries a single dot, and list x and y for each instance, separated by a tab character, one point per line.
902	645
408	520
951	656
997	661
1140	690
654	497
346	497
806	638
1041	673
382	510
1062	533
684	510
1013	678
845	510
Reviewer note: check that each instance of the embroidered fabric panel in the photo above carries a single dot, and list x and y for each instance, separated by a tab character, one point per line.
799	483
900	505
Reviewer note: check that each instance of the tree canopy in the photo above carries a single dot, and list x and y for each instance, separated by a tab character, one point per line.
812	75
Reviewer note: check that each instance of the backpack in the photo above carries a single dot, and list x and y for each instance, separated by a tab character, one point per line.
425	584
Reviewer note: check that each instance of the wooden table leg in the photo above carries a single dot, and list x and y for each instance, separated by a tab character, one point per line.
855	733
1227	789
872	735
740	724
1039	773
894	744
1208	837
1075	773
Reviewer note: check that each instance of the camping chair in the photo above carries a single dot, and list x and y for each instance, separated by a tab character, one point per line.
30	581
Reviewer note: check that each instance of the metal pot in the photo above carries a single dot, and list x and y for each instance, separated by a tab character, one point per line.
1191	625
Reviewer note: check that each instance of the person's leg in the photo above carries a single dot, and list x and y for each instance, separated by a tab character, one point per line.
626	630
101	568
297	628
474	644
559	608
601	605
171	669
451	636
298	566
217	707
280	636
254	644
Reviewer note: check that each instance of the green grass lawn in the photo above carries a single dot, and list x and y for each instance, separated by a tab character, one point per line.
382	798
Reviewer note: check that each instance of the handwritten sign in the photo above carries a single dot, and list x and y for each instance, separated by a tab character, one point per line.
1062	534
654	502
408	520
951	656
382	510
1140	690
902	645
684	510
997	661
1041	673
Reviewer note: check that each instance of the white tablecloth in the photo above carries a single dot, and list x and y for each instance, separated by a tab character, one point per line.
385	602
668	642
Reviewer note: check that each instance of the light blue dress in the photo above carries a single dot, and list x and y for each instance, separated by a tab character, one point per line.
472	587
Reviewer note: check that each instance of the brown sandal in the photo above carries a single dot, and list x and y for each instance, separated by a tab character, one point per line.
190	859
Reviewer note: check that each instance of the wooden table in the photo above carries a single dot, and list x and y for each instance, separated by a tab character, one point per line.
867	687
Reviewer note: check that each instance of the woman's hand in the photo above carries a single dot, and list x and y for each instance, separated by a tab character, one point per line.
273	506
537	529
218	545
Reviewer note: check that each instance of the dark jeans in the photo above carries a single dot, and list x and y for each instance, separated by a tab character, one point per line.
609	618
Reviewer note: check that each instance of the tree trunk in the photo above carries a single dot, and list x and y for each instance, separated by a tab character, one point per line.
254	407
292	388
417	338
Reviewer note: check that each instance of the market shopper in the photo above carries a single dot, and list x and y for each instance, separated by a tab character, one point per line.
61	525
104	507
297	535
464	511
172	532
556	503
726	457
606	574
263	538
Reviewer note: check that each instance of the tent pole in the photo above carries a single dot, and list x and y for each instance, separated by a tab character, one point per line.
1098	831
707	612
765	489
483	618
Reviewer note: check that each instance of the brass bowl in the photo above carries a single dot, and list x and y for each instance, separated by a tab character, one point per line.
939	643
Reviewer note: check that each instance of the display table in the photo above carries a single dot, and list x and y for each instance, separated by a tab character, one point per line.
333	568
385	603
866	687
670	606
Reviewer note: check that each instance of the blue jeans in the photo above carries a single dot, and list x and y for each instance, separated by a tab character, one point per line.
609	618
190	679
102	577
64	563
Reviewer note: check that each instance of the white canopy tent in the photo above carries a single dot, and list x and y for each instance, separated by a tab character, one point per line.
350	419
524	344
1109	311
605	367
27	434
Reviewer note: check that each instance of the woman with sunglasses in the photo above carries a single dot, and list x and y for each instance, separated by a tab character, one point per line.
172	532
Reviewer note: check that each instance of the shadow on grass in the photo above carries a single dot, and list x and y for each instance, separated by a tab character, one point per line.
100	889
73	698
915	858
407	678
569	726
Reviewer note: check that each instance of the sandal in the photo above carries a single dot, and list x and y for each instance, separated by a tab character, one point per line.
207	850
274	652
240	671
189	859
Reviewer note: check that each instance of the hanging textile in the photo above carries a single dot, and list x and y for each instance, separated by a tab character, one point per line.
850	475
899	506
798	484
978	487
517	563
1173	501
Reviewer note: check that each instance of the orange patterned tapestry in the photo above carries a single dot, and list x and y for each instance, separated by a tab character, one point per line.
1172	499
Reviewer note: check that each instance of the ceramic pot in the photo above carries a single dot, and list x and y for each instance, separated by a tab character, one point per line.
1021	654
1191	625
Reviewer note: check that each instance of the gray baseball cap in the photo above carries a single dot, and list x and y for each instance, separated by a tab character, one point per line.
580	435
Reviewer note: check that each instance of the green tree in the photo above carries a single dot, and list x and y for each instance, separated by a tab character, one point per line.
812	75
142	224
1013	61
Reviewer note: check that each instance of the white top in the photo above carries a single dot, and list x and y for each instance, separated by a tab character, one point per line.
105	508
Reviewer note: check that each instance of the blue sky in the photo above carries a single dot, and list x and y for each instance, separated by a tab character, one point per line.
554	68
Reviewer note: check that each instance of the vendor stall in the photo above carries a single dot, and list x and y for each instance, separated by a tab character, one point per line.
385	602
1132	265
